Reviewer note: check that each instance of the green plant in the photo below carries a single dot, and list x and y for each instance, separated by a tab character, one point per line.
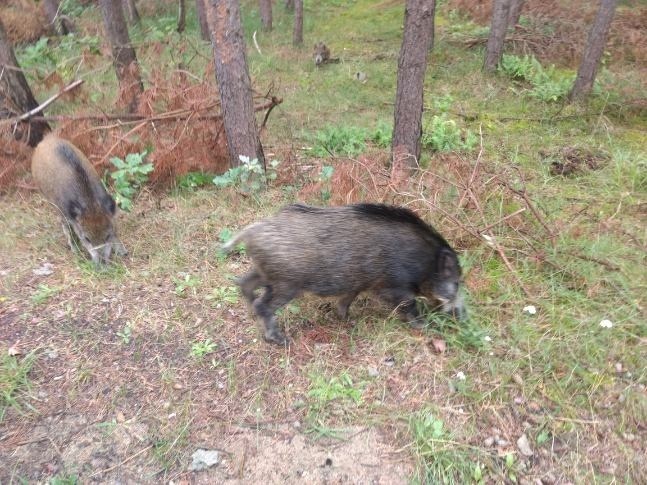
64	480
130	175
43	293
324	178
193	180
382	134
200	349
339	141
548	85
227	295
125	334
440	459
187	282
249	176
340	388
443	135
14	381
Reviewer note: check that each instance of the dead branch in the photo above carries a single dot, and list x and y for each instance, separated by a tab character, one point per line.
30	114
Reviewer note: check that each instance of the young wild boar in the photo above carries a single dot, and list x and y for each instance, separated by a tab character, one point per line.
70	182
342	251
322	55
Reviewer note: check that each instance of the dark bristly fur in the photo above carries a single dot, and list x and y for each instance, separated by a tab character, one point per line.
342	251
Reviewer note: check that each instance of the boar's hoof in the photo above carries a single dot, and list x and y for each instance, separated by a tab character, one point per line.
276	336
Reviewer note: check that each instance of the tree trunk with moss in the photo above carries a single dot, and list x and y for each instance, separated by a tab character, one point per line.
297	34
202	19
15	96
265	7
181	16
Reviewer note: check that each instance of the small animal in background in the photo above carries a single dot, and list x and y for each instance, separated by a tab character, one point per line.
343	251
69	181
322	55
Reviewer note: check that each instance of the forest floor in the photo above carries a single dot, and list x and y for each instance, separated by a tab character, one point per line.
121	375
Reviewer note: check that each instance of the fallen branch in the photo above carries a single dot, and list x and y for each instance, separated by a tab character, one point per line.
30	114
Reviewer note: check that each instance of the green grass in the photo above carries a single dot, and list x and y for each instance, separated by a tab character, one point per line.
15	383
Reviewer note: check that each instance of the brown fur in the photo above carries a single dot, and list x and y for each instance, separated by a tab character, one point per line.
69	181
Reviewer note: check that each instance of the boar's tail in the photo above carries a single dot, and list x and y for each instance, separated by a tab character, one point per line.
238	238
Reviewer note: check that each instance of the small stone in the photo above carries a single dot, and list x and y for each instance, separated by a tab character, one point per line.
548	479
518	400
42	394
501	442
51	354
488	441
372	371
524	446
177	387
619	367
629	437
296	424
203	459
44	270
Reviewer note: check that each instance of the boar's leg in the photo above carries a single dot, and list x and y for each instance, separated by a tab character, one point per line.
249	283
344	303
275	297
405	302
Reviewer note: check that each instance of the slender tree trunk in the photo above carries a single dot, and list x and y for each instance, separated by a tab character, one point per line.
123	54
130	9
234	84
181	16
202	18
495	41
416	41
15	96
594	50
266	14
289	5
297	34
59	24
515	12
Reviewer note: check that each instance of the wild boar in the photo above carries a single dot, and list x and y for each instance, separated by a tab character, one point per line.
343	251
69	181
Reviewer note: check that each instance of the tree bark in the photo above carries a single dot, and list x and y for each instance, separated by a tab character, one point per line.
594	50
297	34
234	84
123	54
181	16
289	5
59	24
498	28
202	18
416	41
266	14
15	96
130	9
515	12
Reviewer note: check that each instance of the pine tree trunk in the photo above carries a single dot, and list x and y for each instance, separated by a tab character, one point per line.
15	96
58	23
181	16
412	64
289	5
297	34
130	10
123	54
594	50
498	27
202	18
515	12
234	84
266	14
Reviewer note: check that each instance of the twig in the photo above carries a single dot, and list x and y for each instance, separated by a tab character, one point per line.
256	44
121	463
275	102
518	211
43	105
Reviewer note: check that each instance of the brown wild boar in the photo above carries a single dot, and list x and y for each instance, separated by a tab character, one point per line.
69	181
321	55
343	251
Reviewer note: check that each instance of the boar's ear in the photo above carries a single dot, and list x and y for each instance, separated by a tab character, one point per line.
448	264
74	210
